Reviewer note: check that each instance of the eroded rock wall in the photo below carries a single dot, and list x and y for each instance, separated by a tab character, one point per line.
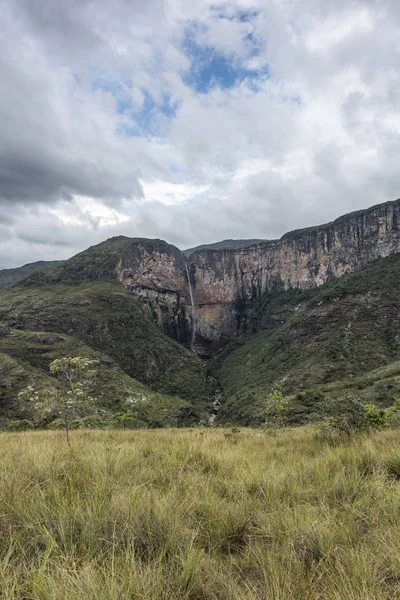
222	280
154	272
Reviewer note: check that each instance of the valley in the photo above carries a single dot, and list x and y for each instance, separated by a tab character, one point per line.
316	312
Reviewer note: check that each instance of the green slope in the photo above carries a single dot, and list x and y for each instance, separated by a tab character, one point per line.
97	319
11	276
25	361
305	341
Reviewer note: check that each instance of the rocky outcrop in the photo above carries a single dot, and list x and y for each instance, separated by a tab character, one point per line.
155	272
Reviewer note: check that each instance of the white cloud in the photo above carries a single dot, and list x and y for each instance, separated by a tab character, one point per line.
169	193
104	133
331	32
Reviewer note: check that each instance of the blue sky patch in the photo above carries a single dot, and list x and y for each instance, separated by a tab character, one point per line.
143	120
210	68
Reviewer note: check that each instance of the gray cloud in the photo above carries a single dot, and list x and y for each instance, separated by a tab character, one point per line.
313	133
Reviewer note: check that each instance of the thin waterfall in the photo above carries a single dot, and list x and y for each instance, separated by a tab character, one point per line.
193	308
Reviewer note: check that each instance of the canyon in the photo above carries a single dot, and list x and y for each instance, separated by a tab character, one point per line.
319	307
209	312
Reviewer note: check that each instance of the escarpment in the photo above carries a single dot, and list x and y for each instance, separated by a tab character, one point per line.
223	281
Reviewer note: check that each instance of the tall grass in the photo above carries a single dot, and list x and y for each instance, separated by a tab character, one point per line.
199	515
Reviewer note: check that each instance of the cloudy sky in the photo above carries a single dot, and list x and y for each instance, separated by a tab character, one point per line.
192	121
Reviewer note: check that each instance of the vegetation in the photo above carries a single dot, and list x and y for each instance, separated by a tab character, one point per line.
393	414
275	408
11	276
346	415
19	425
341	336
337	339
76	373
101	321
254	517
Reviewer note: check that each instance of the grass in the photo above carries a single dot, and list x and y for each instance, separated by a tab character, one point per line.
199	514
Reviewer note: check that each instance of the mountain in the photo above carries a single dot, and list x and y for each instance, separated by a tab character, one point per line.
79	308
10	276
316	311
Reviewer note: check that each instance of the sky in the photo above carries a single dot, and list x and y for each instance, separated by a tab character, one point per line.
192	121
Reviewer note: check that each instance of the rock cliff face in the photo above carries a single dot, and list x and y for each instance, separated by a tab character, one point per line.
224	280
155	272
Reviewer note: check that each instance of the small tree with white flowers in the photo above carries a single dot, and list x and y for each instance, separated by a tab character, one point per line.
76	373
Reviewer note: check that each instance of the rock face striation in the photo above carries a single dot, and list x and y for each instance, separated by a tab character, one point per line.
222	281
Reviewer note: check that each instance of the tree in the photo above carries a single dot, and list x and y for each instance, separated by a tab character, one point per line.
376	417
76	373
43	400
275	407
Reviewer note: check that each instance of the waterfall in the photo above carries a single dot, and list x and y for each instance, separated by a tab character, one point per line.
193	308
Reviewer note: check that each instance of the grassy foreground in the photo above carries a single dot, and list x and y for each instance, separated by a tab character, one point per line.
199	514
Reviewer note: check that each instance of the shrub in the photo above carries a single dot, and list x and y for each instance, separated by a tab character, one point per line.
95	422
346	415
393	414
275	408
310	398
20	425
56	424
376	417
126	421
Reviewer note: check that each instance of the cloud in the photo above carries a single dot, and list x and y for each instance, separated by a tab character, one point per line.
192	121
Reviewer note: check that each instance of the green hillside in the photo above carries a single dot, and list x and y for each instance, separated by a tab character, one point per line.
323	340
99	320
11	276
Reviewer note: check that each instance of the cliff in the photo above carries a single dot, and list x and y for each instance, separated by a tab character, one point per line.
223	280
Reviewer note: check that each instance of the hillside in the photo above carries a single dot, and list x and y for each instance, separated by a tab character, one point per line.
318	341
98	319
11	276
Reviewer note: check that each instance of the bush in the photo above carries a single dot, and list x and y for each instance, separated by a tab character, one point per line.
376	417
393	414
20	425
310	398
60	424
56	424
275	408
346	415
94	422
126	421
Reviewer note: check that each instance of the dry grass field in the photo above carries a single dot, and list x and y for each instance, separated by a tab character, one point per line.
199	514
